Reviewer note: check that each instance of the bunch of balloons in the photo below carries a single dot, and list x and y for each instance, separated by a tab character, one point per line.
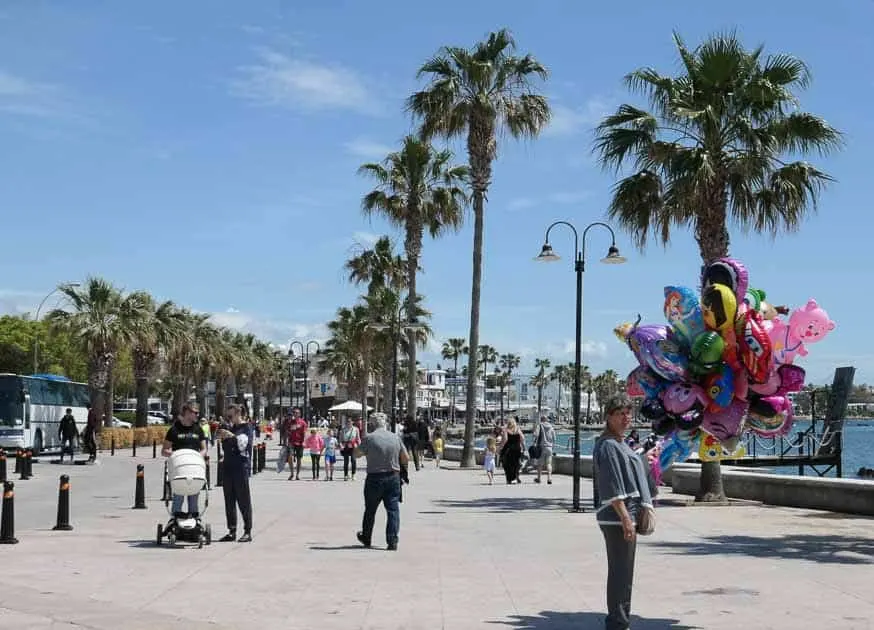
723	364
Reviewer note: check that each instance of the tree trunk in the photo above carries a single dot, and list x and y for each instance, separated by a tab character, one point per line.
98	379
202	393
110	397
713	242
413	247
256	400
142	361
468	457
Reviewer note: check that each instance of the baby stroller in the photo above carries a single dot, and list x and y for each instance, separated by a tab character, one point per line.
185	474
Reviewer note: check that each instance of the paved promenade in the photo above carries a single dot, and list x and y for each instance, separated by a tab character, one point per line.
471	556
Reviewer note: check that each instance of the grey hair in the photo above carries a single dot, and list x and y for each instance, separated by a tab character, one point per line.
616	403
378	419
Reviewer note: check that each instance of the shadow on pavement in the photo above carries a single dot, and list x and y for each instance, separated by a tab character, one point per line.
150	544
339	548
554	620
508	504
826	549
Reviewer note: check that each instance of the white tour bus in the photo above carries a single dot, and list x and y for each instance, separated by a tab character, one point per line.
31	408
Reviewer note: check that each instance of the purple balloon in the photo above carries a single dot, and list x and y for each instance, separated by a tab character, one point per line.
725	423
730	272
655	346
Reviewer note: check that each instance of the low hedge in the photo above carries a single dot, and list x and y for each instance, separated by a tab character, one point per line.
124	437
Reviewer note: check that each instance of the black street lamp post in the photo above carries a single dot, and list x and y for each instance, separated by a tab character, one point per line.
304	358
613	257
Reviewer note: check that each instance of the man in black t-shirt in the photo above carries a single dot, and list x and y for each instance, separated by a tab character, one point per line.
185	433
68	432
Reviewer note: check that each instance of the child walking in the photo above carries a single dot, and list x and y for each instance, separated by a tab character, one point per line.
315	444
437	446
331	448
489	457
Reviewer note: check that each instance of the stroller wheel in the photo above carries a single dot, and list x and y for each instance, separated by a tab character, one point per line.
200	542
160	534
207	532
171	539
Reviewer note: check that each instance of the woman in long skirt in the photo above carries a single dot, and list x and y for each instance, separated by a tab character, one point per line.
511	452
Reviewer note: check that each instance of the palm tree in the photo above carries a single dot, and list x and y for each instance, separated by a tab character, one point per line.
482	91
719	141
540	381
346	355
560	376
417	188
453	349
487	354
155	327
508	363
101	326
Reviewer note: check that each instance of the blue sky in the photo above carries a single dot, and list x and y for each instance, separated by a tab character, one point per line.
206	151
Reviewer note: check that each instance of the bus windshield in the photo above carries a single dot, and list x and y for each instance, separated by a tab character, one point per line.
10	401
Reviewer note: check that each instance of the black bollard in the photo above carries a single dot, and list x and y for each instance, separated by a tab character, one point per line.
7	520
166	483
28	460
208	475
154	449
140	495
22	467
63	524
17	462
112	446
263	456
2	465
134	446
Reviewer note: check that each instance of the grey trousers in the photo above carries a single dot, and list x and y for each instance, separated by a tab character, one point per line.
620	575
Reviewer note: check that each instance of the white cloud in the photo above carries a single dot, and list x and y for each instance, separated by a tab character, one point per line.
553	199
568	121
300	84
22	97
275	331
364	148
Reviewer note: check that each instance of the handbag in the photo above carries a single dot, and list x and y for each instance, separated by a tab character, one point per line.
536	449
646	521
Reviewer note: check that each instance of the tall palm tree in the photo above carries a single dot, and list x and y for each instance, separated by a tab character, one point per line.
508	363
487	354
100	324
346	355
155	327
720	141
453	349
417	189
381	268
540	380
559	375
481	92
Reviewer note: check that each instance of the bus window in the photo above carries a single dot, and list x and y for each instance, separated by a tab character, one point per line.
11	396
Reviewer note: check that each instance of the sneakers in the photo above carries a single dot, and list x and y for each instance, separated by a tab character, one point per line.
362	539
392	546
246	537
229	537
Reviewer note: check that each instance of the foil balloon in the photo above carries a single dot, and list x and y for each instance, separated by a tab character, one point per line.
719	307
655	347
770	415
689	420
683	313
712	450
783	380
678	446
642	381
755	298
663	425
719	389
808	324
679	398
705	355
724	424
730	273
753	345
652	409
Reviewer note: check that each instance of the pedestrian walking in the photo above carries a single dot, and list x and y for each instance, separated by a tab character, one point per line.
237	464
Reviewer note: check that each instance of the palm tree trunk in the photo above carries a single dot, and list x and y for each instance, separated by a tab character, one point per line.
468	459
454	387
713	243
110	396
413	247
202	394
539	400
142	368
221	389
256	400
98	378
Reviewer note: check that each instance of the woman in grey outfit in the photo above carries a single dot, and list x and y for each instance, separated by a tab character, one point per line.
623	488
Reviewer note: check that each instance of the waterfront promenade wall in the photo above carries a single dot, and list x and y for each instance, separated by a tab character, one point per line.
851	496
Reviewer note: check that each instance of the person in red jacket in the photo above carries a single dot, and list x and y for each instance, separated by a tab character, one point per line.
297	433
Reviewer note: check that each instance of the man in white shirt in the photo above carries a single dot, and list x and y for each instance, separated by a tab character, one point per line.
546	439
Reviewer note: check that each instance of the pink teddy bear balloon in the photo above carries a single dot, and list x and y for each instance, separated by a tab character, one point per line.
807	325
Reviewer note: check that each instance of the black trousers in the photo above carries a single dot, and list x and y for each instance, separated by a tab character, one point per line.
316	460
620	576
236	491
348	455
